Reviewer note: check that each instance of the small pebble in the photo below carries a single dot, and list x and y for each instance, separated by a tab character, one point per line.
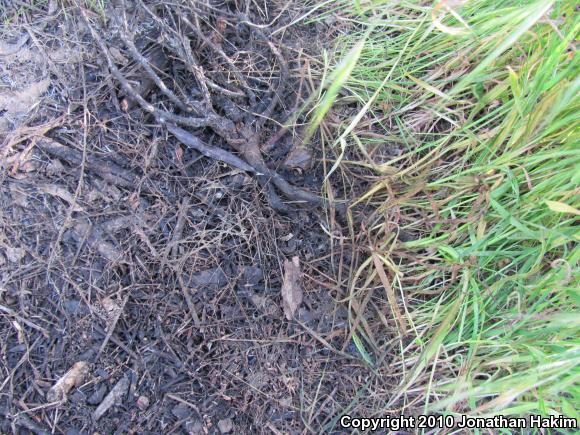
226	425
194	427
143	403
181	411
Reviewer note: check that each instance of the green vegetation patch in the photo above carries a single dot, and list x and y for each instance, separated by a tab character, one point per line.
474	234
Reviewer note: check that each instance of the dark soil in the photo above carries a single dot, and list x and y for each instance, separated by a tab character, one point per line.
160	267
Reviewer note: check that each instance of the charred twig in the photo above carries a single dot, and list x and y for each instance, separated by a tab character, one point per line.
158	61
137	359
277	92
107	170
244	139
197	71
279	89
295	193
144	63
222	90
214	153
188	301
251	152
197	31
21	419
11	312
191	61
178	232
211	120
269	145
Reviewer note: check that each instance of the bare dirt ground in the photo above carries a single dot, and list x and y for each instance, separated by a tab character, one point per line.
136	252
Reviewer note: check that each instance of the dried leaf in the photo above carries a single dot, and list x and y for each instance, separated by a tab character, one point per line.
118	56
62	193
110	306
226	425
114	397
19	197
14	255
264	304
23	101
7	49
390	294
29	166
561	207
179	155
291	289
95	238
13	104
143	403
73	378
299	158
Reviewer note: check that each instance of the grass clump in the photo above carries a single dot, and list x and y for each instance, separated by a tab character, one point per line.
474	234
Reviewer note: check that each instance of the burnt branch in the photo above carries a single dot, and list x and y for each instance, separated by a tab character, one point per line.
233	69
238	125
144	63
211	152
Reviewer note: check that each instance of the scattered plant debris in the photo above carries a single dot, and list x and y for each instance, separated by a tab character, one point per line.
115	396
72	378
291	288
